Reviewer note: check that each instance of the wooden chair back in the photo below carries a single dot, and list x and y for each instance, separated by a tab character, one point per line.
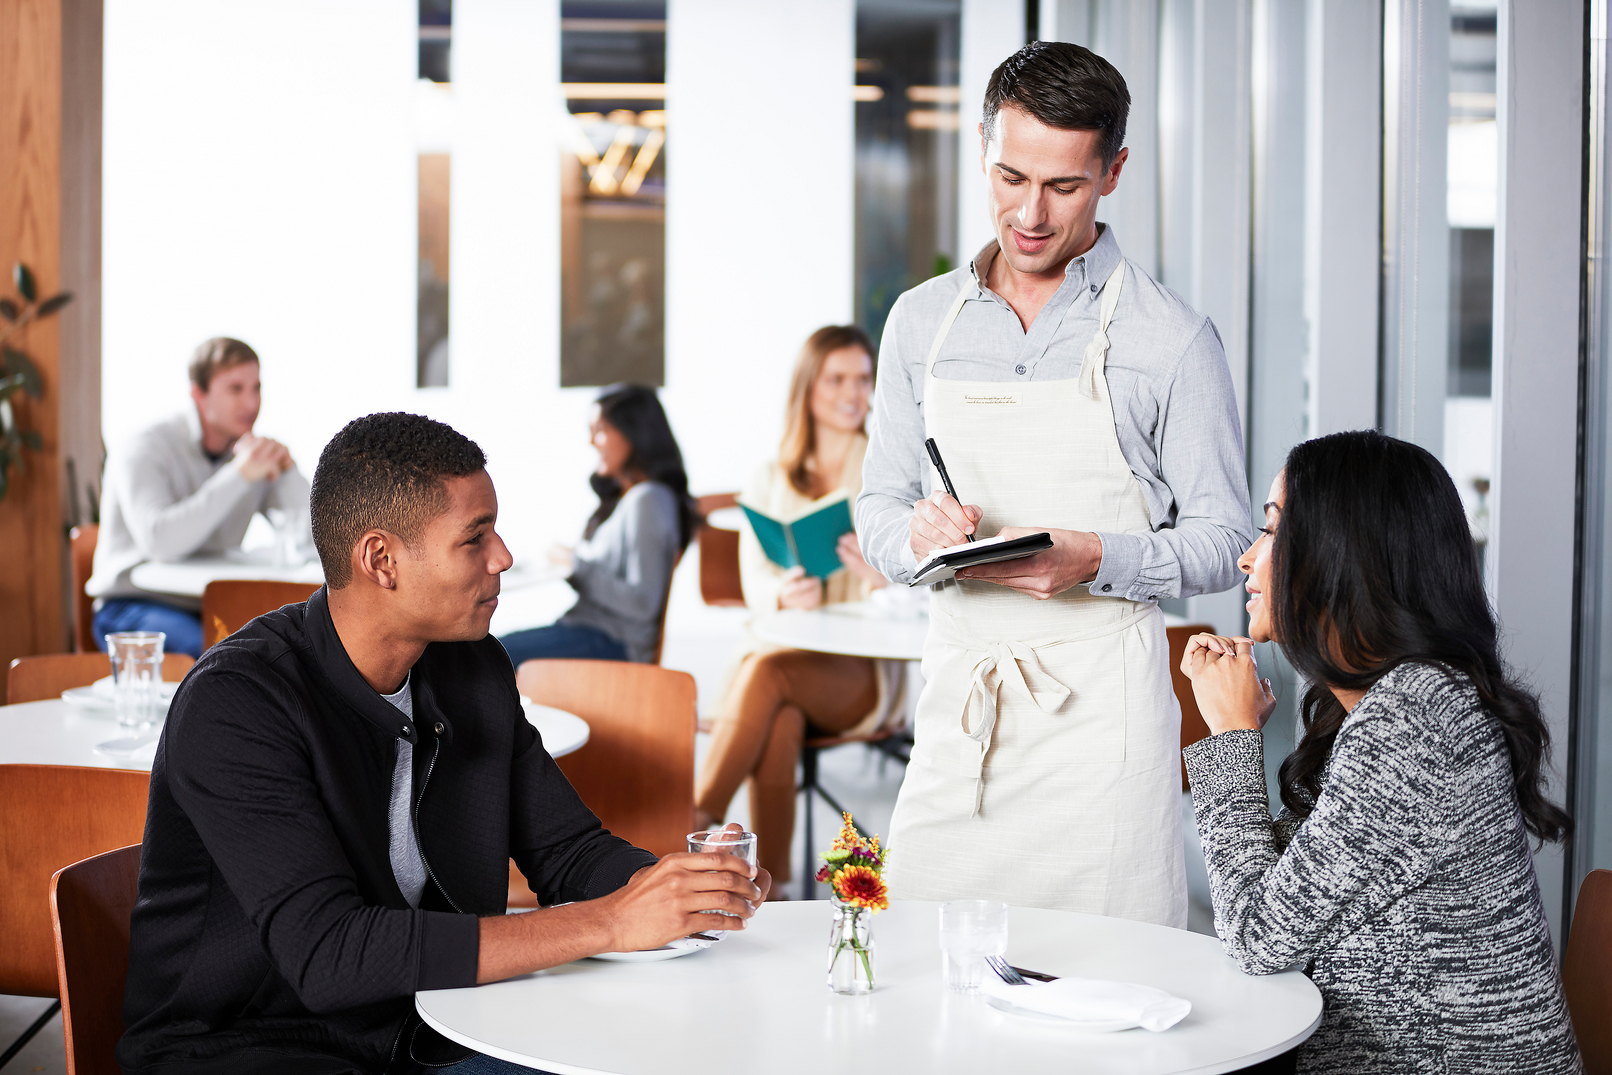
230	604
1192	726
637	769
55	815
90	905
35	679
81	554
1587	972
719	554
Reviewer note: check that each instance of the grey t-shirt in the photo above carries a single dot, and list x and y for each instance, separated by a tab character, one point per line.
407	865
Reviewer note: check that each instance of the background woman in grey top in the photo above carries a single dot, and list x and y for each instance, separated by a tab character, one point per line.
622	567
1399	875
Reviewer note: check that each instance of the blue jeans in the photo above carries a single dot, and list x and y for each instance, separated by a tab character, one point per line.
133	614
559	640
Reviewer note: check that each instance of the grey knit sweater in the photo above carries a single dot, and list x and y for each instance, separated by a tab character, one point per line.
1408	895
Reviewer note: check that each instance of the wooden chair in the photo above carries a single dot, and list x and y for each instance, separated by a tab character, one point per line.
1587	972
1192	726
90	905
35	679
55	815
230	604
81	546
719	554
637	770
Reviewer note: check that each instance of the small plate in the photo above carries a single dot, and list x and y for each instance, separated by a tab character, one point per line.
1089	1026
683	946
99	695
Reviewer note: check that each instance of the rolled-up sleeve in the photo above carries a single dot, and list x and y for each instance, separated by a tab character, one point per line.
1200	461
894	472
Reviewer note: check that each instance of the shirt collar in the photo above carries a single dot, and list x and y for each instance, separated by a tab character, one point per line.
1097	264
349	684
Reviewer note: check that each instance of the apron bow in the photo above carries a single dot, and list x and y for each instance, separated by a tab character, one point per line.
1005	664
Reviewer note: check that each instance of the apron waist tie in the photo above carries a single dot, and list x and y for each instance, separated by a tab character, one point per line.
1015	666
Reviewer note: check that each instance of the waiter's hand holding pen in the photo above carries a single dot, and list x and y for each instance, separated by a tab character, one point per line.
939	522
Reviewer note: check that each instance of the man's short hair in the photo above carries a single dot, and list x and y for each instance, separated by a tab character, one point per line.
216	355
383	472
1064	86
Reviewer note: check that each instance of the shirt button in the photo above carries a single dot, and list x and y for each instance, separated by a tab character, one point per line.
1107	587
438	728
1019	369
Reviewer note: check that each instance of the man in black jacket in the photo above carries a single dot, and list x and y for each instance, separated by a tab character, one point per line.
340	786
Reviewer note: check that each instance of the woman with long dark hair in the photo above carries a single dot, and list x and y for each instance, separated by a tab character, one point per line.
622	568
1399	873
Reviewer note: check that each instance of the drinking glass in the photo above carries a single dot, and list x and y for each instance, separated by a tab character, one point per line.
970	930
287	524
136	671
727	842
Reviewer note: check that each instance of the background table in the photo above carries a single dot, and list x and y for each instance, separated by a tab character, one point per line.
854	628
757	1002
56	733
188	578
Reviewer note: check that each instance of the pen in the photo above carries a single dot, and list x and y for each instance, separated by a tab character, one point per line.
946	479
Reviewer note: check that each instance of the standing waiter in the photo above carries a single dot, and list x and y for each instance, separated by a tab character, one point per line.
1069	392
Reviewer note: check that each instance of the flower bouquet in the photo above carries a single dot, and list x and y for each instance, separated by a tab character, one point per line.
853	870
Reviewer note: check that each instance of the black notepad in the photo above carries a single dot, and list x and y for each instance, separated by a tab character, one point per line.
942	564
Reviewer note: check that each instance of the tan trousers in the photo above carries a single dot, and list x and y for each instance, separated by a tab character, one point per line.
773	699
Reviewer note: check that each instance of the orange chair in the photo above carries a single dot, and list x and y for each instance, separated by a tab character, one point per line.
55	815
35	679
1585	972
230	604
637	769
1192	726
90	905
81	546
719	554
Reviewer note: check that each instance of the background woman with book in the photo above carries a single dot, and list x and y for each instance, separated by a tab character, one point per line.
622	567
774	694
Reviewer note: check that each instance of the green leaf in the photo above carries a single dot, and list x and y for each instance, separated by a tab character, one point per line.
8	310
19	364
54	303
32	440
24	279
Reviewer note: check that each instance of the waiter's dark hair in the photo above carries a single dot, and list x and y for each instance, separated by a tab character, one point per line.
1373	567
1064	86
383	471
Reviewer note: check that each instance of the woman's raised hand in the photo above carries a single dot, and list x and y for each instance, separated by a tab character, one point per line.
800	590
1226	683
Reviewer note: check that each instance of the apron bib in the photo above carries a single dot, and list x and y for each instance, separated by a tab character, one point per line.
1046	770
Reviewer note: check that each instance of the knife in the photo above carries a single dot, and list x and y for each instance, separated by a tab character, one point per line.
1037	975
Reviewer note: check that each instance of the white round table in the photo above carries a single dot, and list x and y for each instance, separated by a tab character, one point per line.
188	578
854	628
57	733
757	1002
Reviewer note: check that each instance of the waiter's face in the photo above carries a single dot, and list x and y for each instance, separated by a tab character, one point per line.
1256	564
1045	183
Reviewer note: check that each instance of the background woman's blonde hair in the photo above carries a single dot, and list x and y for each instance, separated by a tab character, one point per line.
800	428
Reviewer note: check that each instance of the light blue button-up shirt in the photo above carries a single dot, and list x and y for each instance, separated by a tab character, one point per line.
1174	410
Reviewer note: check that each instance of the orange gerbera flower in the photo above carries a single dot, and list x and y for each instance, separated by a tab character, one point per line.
861	887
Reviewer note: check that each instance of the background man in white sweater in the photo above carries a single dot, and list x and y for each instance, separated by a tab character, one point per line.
189	484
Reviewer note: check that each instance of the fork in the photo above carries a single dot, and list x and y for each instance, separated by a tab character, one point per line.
1007	973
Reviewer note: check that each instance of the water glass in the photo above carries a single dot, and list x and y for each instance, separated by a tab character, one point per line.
726	842
970	930
136	671
287	524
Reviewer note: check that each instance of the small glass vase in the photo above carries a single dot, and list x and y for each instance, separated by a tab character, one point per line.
850	950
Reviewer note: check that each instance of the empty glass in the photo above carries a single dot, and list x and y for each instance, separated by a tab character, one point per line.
970	930
724	841
287	524
136	671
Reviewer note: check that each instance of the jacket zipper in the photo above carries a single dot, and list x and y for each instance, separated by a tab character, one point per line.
419	845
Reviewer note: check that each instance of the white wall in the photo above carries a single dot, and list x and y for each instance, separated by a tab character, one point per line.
991	31
260	182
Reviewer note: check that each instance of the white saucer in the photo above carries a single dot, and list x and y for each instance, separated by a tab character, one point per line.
99	696
683	946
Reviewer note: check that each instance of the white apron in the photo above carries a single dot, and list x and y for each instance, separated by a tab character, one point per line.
1046	770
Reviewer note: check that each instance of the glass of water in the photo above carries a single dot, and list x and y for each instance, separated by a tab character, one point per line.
724	842
970	930
136	671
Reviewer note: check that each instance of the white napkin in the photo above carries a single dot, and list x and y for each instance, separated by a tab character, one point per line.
1093	1000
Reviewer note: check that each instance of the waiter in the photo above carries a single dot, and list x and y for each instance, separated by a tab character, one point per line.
1068	392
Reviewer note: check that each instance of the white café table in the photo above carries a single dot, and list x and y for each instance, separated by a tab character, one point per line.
188	578
56	733
757	1002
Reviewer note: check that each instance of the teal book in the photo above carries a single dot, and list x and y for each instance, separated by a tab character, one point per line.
808	540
